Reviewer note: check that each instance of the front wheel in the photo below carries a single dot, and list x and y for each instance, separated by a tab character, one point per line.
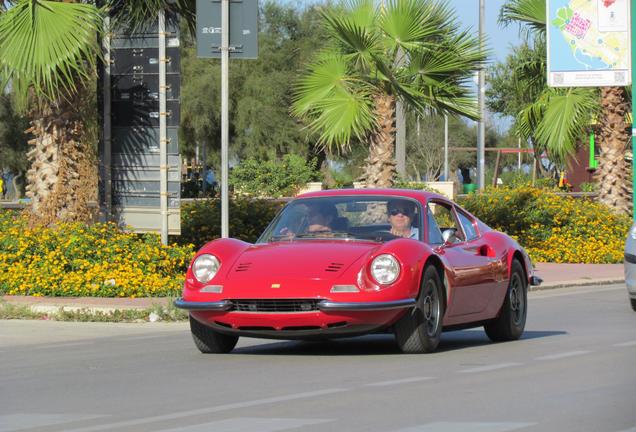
510	323
209	341
420	329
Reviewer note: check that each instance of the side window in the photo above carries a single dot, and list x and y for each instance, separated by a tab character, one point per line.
468	226
440	217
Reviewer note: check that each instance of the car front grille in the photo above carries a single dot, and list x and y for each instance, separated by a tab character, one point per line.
275	305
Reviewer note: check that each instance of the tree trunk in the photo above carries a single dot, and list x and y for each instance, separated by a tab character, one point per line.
62	178
614	174
379	170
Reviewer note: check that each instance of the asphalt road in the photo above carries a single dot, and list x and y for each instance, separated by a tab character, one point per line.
574	370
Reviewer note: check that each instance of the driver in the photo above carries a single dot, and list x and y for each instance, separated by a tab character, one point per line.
320	216
401	213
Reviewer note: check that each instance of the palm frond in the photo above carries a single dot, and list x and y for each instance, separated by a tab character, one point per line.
135	15
47	47
529	12
565	119
335	105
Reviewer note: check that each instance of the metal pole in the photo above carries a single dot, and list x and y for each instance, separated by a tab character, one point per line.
481	137
225	60
400	139
163	147
633	5
445	147
519	155
107	161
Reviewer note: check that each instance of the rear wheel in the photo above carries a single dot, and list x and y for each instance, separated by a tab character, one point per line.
209	341
420	329
633	304
510	323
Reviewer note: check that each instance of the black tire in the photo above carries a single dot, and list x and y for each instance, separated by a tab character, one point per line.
510	323
420	329
209	341
633	304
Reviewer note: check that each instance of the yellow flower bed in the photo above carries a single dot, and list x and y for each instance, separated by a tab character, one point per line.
554	228
78	260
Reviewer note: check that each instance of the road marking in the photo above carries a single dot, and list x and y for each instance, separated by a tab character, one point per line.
14	422
626	344
210	410
563	355
399	381
248	424
490	367
136	338
629	430
466	427
63	345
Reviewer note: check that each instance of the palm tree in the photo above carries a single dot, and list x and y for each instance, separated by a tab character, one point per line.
559	117
407	50
49	51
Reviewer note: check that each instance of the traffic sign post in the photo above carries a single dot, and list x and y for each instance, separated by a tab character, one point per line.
226	29
633	24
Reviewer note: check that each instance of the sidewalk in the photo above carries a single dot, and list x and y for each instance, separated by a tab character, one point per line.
553	275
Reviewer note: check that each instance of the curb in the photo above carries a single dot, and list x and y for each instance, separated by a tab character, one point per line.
42	306
574	283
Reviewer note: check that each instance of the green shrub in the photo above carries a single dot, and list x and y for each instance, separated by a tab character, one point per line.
553	228
272	179
201	220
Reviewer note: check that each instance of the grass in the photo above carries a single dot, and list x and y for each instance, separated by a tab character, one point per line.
156	313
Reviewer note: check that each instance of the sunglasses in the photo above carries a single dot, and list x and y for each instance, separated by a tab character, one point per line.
398	210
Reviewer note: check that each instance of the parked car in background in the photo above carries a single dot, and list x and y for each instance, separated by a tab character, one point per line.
342	263
630	265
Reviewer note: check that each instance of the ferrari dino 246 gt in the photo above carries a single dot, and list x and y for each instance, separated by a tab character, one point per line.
343	263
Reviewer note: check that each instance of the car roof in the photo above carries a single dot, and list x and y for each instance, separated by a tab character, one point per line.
419	195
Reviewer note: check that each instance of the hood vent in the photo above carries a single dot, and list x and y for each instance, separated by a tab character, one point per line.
242	267
334	267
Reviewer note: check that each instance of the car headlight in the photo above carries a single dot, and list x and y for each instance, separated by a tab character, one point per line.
632	232
385	269
205	267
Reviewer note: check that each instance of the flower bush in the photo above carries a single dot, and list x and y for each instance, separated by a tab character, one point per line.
74	259
553	228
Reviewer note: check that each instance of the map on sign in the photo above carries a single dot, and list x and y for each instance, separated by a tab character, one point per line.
588	43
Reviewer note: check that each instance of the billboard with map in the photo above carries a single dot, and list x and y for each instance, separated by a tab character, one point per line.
588	43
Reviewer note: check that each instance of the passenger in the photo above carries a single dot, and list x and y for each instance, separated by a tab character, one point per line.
401	214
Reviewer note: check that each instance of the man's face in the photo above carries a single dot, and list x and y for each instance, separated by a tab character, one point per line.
400	217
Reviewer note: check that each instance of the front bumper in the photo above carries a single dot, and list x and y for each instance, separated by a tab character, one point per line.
324	305
330	319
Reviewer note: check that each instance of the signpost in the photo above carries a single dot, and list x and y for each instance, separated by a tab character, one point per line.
226	29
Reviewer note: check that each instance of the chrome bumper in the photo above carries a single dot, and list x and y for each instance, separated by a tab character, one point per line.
325	305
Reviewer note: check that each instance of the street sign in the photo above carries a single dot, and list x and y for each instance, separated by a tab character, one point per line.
589	43
243	29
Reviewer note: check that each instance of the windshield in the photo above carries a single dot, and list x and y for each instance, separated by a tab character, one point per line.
368	218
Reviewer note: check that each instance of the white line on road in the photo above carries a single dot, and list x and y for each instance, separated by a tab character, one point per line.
466	427
210	410
625	344
563	355
399	381
14	422
490	367
244	424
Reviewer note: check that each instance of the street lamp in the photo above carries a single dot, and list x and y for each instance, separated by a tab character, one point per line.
481	136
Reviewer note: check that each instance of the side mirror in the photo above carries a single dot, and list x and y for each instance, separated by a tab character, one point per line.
449	236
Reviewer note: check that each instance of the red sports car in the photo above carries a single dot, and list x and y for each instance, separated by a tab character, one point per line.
342	263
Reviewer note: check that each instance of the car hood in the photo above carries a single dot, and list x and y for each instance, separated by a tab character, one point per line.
310	259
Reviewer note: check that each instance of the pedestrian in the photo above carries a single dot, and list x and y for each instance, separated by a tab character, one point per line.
3	187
